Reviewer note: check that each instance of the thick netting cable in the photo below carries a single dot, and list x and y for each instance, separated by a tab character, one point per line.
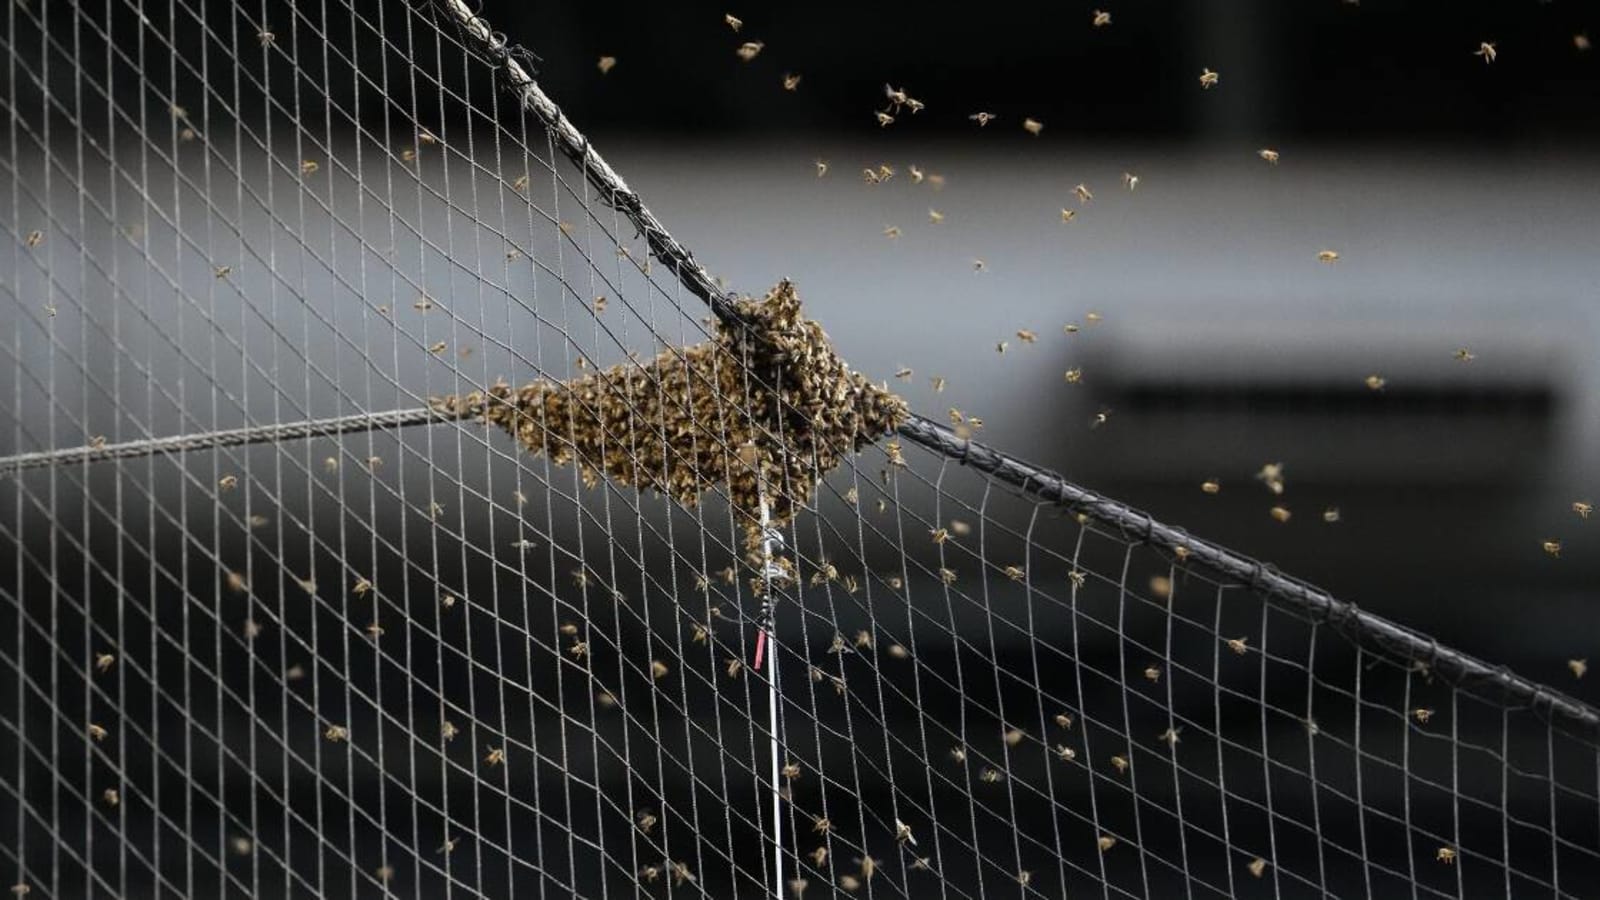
266	641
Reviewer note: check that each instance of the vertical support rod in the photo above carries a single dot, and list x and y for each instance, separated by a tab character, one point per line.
767	640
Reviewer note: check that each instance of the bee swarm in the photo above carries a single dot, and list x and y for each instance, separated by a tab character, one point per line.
612	421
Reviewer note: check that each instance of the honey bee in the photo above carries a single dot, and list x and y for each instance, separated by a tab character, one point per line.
821	825
336	733
646	820
1583	508
104	661
96	732
496	756
294	672
1328	256
1552	547
1268	154
1105	842
1208	79
1077	578
449	730
1084	196
579	649
790	770
1100	418
897	98
1487	51
940	535
902	833
915	105
1152	673
1211	486
567	629
1119	763
1070	328
1130	181
1012	736
111	796
437	348
34	239
1073	376
734	665
1026	336
849	882
1578	667
658	669
600	304
1093	318
1032	126
361	587
948	576
1160	587
266	37
983	118
1375	382
449	845
749	50
309	166
1257	867
916	174
375	631
1280	513
990	776
520	184
1065	753
236	582
898	651
1422	714
884	119
1181	552
1581	42
1331	515
1446	855
330	464
1000	348
798	886
228	482
935	217
733	21
221	271
819	856
959	754
936	181
1237	645
891	231
424	136
1462	354
1101	18
606	64
979	265
1169	737
1015	573
1067	215
1271	474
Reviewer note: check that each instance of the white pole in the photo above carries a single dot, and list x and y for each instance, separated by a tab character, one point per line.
768	633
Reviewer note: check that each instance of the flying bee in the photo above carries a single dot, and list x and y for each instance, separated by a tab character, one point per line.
1101	18
749	50
1581	42
1237	645
935	217
1032	126
579	649
1269	155
34	239
1120	763
1093	318
979	265
898	651
990	776
849	882
236	582
1160	587
891	231
1462	354
336	733
221	271
96	732
1105	842
959	754
916	173
983	118
375	631
658	669
1000	348
1152	673
520	184
733	21
1280	513
1026	336
1487	51
1065	753
1552	547
361	587
1422	714
1012	736
897	98
111	796
819	856
606	64
1583	508
427	137
790	770
1077	578
1073	376
884	119
496	756
734	666
1272	475
915	105
646	820
821	825
309	166
1100	418
948	576
1067	215
1015	573
437	348
228	482
1446	855
1578	667
1257	867
1375	382
1328	256
104	661
1130	181
1331	515
449	845
1208	79
1084	196
940	535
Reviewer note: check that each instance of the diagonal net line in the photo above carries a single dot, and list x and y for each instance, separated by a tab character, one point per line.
348	657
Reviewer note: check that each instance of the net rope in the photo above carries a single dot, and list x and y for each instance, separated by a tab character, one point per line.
266	641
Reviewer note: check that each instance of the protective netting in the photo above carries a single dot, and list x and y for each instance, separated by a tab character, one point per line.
355	658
